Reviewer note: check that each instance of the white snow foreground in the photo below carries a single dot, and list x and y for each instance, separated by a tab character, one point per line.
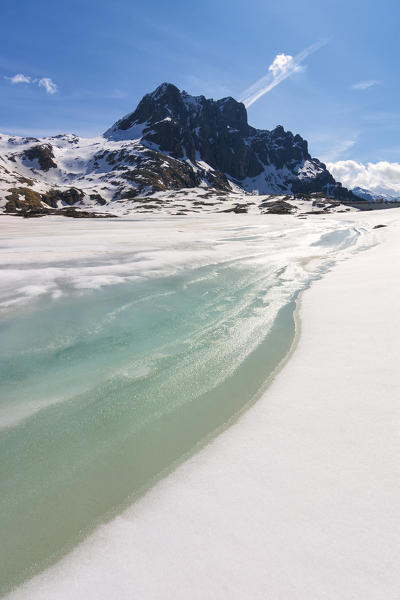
299	499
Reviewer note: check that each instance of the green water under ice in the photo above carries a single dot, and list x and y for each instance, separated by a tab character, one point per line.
103	391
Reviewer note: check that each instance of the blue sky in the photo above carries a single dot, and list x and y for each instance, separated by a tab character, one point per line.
103	56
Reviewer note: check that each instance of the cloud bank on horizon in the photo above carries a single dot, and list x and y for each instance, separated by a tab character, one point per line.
46	82
282	67
381	177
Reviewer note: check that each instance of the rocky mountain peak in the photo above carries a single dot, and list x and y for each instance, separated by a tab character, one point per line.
168	103
172	140
216	132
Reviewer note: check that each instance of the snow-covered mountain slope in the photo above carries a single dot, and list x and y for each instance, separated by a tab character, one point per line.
371	196
67	170
172	141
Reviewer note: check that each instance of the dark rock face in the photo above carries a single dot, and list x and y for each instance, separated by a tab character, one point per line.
193	128
277	207
98	199
151	171
69	197
24	198
43	153
237	209
30	213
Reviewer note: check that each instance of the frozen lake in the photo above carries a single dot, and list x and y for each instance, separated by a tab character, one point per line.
125	345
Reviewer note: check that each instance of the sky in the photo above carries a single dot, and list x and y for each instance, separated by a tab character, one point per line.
326	69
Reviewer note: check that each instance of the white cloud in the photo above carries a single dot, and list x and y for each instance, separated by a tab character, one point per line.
282	66
381	177
19	78
48	85
45	82
365	85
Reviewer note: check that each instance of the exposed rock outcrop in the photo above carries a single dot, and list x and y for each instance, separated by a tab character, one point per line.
44	154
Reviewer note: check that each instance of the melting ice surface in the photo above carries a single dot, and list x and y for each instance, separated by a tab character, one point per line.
124	344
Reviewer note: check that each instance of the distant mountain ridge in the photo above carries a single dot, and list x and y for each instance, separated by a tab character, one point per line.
171	141
371	196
